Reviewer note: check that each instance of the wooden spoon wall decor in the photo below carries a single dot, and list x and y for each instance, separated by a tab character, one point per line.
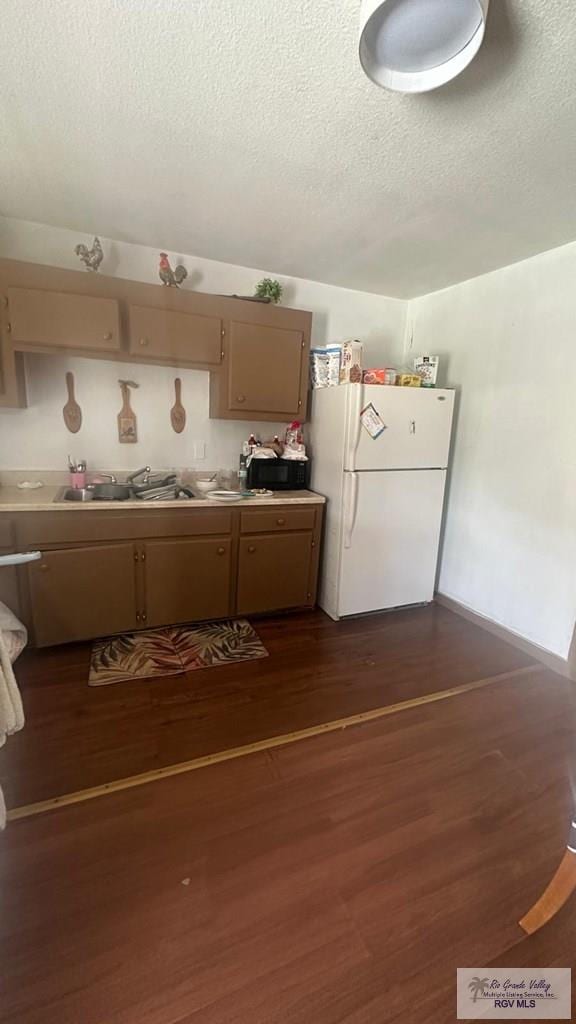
72	412
178	412
127	428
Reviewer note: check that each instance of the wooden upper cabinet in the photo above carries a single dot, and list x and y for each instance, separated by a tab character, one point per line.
63	320
169	334
267	369
12	379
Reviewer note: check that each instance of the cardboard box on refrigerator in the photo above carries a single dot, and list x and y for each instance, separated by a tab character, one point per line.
351	363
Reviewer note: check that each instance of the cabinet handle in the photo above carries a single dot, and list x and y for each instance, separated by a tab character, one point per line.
299	402
280	521
136	556
143	556
44	567
251	549
143	341
240	398
137	616
108	336
221	551
8	328
144	616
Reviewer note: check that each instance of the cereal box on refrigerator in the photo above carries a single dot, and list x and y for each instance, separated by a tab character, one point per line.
351	363
427	368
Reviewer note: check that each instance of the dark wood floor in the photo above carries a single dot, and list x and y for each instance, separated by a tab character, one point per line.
341	880
79	736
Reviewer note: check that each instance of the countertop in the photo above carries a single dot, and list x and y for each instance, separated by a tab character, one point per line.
12	499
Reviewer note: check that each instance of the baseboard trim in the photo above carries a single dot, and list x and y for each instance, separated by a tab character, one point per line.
564	667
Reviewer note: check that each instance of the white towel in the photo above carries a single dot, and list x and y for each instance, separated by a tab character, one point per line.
13	637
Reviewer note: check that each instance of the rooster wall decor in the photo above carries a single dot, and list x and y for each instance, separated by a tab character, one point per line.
172	278
91	258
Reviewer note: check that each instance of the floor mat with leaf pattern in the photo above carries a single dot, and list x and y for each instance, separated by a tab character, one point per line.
173	650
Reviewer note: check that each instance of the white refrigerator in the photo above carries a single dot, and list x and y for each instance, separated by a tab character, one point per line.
384	494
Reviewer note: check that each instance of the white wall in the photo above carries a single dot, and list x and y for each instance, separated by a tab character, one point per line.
36	438
507	342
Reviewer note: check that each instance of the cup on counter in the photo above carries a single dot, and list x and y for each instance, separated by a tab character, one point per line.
78	480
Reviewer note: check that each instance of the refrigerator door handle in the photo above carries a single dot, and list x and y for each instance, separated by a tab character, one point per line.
350	518
354	426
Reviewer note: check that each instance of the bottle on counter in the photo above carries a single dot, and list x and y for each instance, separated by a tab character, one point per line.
243	472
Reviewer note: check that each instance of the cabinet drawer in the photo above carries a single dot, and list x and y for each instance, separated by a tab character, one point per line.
269	520
170	334
87	525
63	320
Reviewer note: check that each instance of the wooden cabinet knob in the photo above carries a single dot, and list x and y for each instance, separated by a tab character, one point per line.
251	549
280	521
108	336
143	341
221	551
144	616
44	567
137	616
240	398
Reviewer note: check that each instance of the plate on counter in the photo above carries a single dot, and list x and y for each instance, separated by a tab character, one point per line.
228	497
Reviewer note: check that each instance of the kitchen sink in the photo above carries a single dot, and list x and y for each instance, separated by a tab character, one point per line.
99	492
74	494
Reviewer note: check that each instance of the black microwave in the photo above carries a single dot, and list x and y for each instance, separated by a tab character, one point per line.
278	474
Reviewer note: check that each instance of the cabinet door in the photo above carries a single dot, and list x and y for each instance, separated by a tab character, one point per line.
12	379
274	572
266	371
81	593
170	334
187	580
63	320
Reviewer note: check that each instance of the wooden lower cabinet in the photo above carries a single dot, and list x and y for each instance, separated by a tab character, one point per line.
105	572
83	592
274	572
186	580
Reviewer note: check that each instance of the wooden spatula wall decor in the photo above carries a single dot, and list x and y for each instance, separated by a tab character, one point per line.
72	412
127	429
178	412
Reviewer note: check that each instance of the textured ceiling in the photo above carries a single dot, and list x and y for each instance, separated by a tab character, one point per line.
246	132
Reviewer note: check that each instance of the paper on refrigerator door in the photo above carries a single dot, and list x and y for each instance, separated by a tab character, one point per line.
371	421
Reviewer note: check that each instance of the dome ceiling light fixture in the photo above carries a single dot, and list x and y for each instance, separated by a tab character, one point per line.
419	45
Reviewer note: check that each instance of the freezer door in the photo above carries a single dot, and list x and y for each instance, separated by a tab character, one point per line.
417	421
391	552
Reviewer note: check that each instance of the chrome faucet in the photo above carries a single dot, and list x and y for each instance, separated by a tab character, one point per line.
108	476
146	470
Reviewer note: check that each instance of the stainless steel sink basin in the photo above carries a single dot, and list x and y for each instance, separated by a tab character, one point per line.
96	492
111	492
74	494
